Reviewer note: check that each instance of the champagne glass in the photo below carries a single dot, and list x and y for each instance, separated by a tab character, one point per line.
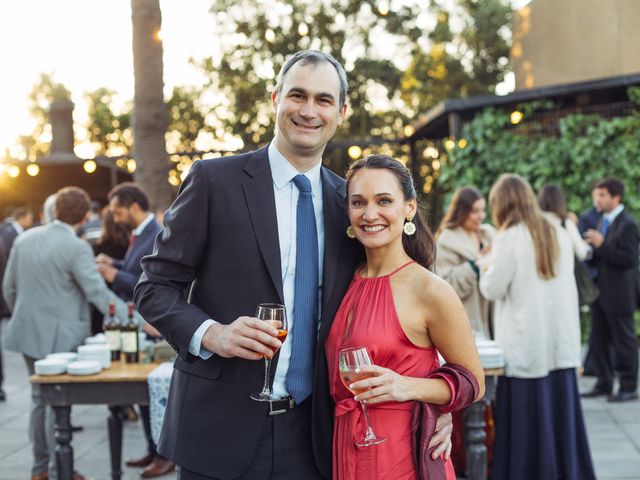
276	314
349	360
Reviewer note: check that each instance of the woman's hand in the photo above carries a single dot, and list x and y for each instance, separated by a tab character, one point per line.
385	386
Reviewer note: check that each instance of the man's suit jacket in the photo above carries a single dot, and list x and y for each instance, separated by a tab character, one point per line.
8	234
221	233
617	264
129	269
49	281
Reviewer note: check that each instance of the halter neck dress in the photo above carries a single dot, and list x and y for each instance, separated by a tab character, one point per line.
368	317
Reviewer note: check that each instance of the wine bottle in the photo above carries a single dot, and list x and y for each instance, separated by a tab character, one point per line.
129	335
111	327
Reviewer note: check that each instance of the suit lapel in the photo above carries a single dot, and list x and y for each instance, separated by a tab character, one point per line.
258	192
335	223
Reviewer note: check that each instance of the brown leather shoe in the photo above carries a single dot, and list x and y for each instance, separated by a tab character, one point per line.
160	466
140	462
78	476
40	476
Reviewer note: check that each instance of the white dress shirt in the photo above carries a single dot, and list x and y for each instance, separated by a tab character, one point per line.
286	198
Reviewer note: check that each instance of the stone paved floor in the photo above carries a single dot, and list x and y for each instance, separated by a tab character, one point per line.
614	434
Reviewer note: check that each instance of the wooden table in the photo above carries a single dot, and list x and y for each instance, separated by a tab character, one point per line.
475	435
122	384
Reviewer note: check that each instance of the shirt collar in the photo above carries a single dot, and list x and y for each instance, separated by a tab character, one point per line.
283	172
139	229
65	225
18	228
613	214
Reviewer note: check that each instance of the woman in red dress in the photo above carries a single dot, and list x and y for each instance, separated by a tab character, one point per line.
404	314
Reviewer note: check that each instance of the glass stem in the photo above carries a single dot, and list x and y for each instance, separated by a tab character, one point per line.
368	434
266	389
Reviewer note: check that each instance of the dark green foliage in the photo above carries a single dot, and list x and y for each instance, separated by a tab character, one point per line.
587	148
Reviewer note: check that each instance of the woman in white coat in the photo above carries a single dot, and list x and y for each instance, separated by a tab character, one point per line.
462	239
529	275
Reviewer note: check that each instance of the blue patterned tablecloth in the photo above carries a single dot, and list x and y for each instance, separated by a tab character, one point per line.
158	381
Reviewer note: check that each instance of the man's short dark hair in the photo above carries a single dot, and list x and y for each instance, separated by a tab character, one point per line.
72	205
613	185
129	193
314	57
20	212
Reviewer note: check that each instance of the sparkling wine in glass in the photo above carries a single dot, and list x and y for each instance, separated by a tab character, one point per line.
349	360
276	314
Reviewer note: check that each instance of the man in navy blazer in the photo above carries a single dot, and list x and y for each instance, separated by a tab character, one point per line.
615	255
130	205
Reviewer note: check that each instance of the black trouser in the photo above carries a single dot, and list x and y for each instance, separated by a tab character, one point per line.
616	330
145	417
284	451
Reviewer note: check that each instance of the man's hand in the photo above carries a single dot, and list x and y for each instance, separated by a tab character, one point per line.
594	238
107	271
151	330
442	437
103	259
246	337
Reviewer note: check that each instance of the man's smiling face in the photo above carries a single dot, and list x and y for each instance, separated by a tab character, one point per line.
307	109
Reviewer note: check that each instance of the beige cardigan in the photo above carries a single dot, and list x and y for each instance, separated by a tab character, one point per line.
454	248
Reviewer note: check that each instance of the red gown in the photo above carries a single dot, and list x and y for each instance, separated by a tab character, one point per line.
374	324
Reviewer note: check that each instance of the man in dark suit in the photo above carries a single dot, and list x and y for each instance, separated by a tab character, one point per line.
234	235
20	220
130	206
615	255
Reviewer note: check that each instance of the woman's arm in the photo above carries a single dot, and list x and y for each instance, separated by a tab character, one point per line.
450	331
497	271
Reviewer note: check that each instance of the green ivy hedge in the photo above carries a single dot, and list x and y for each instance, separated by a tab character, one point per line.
584	149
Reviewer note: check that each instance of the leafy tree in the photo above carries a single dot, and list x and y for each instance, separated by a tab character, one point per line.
372	40
109	132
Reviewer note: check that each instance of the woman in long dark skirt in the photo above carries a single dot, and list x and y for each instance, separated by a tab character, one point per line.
540	431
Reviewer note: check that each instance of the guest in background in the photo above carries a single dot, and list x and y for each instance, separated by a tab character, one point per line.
552	202
529	275
113	241
462	238
129	206
92	230
21	219
615	256
50	279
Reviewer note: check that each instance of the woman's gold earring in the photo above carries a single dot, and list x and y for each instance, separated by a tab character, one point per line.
351	233
409	227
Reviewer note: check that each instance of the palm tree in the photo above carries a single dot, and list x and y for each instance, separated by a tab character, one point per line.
149	112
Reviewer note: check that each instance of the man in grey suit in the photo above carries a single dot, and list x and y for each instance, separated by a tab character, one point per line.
50	279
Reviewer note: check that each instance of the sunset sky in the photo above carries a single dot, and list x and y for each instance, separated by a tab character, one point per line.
86	44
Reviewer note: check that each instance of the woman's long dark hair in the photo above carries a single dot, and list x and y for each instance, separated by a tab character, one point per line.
551	199
421	246
460	208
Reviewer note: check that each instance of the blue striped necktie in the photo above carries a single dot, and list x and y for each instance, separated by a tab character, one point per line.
299	381
605	226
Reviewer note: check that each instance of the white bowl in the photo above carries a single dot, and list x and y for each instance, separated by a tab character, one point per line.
97	339
66	356
50	366
87	367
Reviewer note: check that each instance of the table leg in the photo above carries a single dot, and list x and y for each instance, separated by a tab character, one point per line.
115	441
63	435
476	437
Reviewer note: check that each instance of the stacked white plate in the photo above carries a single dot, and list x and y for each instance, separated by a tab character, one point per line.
84	367
97	339
50	366
66	356
491	355
96	352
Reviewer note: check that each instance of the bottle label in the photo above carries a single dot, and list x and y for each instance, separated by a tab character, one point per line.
113	339
130	342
